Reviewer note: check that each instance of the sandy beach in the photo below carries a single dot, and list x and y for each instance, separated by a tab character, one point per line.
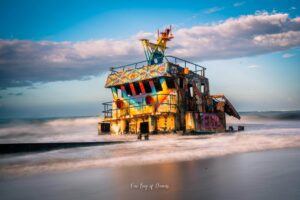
272	174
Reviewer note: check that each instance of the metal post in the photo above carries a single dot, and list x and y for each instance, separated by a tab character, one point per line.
156	105
170	102
129	108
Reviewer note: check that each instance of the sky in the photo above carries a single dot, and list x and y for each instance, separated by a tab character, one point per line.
55	55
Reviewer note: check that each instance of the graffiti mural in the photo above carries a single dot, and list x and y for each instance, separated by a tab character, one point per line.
144	73
211	121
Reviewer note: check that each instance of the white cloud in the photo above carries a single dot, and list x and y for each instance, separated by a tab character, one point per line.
147	35
237	37
213	10
288	55
285	39
25	62
238	4
252	66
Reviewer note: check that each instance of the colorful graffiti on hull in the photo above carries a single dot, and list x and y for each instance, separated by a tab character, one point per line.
210	121
155	101
134	75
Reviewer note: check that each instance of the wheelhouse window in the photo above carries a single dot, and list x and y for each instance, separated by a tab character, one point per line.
181	82
128	90
191	91
157	85
137	88
118	90
147	86
170	83
202	88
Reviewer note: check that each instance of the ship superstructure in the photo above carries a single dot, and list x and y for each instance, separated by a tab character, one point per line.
162	94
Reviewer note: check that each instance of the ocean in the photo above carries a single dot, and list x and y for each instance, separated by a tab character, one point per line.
261	162
263	131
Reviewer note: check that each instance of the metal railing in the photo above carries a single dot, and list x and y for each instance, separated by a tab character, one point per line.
107	109
170	59
141	106
184	63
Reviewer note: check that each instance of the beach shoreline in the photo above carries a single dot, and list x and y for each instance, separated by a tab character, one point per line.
159	149
270	174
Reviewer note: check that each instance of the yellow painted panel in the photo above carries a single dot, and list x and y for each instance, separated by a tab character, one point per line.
171	123
189	121
115	128
162	123
132	126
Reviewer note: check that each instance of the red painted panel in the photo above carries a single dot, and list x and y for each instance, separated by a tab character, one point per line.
142	87
132	89
152	86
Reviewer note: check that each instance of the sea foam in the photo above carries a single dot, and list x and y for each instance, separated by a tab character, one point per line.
261	134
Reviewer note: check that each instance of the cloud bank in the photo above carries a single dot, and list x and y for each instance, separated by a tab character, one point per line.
23	63
244	36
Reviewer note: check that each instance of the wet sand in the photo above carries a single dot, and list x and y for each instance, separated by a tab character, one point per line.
12	148
273	174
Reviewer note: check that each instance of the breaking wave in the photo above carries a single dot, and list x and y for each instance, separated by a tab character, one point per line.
79	129
49	130
272	115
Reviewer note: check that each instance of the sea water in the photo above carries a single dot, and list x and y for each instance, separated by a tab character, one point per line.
263	131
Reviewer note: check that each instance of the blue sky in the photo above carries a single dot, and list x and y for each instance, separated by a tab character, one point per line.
54	55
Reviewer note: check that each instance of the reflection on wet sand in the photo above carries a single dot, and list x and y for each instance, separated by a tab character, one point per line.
267	175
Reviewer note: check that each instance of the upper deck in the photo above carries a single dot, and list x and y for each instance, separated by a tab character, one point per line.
171	66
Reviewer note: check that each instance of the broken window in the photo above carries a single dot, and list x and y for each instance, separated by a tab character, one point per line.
170	83
157	85
147	86
128	90
191	91
137	88
202	88
118	90
181	82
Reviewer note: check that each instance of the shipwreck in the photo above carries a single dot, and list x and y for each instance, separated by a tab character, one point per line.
162	94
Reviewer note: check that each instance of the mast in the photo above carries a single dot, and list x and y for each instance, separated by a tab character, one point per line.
155	52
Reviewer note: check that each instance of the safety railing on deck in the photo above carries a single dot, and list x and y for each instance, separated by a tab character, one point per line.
171	59
184	63
107	109
139	107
